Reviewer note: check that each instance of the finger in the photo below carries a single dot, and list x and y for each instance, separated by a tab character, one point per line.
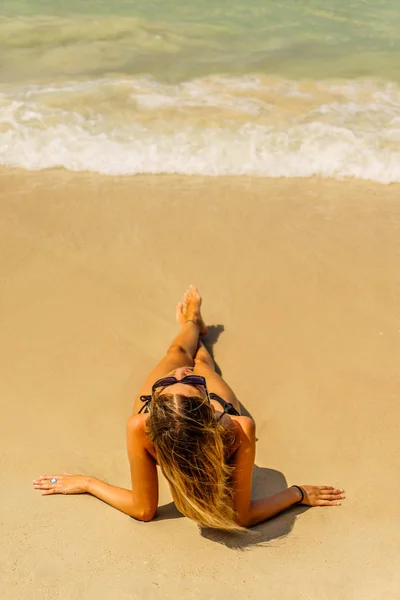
328	503
45	477
43	485
329	490
48	492
331	496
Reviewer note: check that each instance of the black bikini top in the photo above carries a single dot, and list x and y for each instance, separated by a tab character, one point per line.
146	406
227	407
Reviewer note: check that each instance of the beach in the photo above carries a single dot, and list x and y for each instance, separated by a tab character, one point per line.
250	148
301	286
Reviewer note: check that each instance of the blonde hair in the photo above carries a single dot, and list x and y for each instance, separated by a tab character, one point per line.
190	445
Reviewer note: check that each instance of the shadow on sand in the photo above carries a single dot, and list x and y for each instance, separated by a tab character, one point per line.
266	482
209	340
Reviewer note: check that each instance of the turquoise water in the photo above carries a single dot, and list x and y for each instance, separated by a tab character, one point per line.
268	88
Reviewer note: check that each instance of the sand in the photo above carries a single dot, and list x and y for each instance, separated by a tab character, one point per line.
301	281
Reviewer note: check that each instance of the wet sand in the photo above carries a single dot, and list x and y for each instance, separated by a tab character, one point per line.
301	281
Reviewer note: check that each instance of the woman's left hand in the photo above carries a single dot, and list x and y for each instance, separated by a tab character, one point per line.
64	484
322	495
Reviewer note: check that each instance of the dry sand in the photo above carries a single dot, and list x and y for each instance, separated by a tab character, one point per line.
302	275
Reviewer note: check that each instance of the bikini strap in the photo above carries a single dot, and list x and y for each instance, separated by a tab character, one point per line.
146	406
227	407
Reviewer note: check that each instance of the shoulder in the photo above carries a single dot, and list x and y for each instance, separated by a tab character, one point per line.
137	424
244	430
245	427
136	432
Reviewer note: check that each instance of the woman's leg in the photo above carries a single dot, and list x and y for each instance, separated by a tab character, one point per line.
183	347
204	365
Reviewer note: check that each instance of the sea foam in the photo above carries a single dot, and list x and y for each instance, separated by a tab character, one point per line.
213	126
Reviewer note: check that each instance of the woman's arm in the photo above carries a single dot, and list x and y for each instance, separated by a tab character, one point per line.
265	508
250	512
314	495
120	498
140	502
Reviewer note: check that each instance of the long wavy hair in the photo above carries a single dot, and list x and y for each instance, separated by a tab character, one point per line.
191	447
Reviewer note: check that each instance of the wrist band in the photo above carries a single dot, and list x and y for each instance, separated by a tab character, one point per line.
191	321
302	493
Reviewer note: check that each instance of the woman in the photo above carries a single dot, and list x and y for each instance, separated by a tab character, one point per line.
187	420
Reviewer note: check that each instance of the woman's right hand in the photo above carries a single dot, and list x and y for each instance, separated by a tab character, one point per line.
63	484
322	495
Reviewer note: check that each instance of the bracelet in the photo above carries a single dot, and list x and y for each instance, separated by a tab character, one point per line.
191	321
302	493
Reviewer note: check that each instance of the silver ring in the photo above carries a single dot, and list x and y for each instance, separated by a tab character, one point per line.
53	480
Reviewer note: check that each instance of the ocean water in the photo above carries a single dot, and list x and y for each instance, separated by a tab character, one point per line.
270	88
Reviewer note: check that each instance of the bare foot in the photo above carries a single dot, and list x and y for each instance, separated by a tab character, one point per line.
189	308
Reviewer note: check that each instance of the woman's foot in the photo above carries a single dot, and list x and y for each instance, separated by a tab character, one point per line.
189	309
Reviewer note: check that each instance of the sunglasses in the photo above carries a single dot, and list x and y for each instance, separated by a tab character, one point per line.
195	380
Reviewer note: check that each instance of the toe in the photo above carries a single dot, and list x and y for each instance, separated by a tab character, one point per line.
195	294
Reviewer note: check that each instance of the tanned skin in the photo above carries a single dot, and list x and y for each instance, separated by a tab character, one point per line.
186	354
